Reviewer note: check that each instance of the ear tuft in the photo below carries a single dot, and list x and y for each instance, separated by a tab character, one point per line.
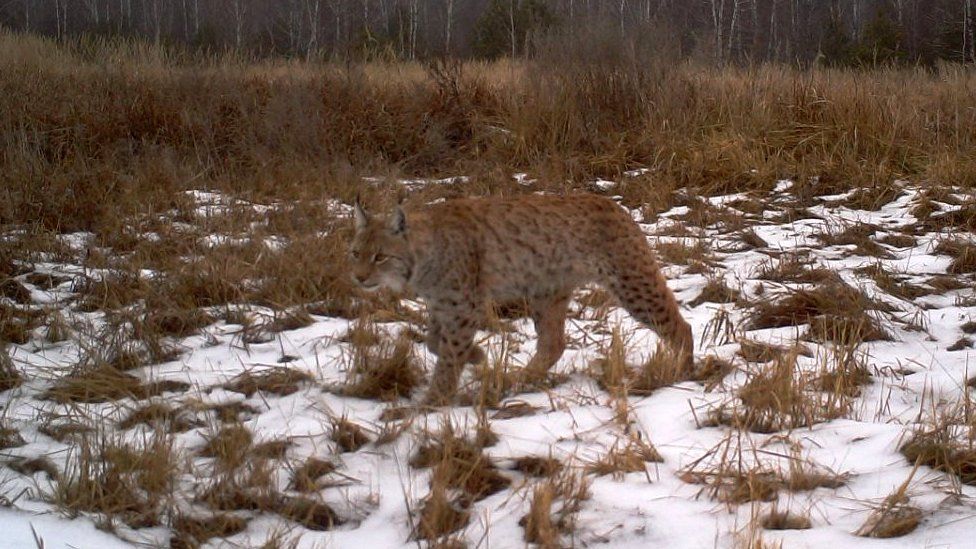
398	221
359	214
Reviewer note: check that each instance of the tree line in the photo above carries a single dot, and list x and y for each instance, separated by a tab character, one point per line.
835	32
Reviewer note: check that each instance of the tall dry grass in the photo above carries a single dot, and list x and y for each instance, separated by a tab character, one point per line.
101	136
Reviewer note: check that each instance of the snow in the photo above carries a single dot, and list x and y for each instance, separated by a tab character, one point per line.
575	420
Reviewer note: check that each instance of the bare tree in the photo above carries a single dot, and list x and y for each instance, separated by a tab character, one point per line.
61	18
239	12
312	10
156	21
93	14
449	24
718	24
512	6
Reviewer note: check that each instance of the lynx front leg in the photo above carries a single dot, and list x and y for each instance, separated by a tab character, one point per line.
433	335
549	317
455	347
644	292
433	343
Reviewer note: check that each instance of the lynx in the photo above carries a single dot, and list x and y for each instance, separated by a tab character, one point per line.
458	255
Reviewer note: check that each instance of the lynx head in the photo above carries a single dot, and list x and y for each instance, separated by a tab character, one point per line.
379	256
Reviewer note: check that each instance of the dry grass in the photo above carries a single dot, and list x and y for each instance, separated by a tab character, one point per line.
310	513
190	532
963	255
538	523
858	235
715	291
894	517
110	139
278	380
553	508
696	256
306	476
794	268
159	415
496	377
780	396
662	369
536	466
271	449
226	412
382	370
893	284
10	376
459	464
946	283
782	520
630	457
32	466
362	335
835	312
349	436
101	383
128	482
938	448
174	322
17	324
230	446
440	514
736	486
757	351
734	474
614	375
842	371
10	438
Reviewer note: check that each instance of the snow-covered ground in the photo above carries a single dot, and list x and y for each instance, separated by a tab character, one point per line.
376	493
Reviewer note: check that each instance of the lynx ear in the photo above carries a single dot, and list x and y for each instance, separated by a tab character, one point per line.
360	215
398	221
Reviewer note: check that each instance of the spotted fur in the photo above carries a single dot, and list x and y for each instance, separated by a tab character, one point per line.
535	249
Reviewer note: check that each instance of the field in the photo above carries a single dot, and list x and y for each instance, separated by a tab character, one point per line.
186	362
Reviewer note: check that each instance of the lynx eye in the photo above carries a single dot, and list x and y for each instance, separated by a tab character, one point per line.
380	258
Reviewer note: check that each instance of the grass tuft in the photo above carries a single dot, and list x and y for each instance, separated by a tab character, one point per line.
385	371
835	312
348	436
128	482
781	520
277	380
305	477
10	376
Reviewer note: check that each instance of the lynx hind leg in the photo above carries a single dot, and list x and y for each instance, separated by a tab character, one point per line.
455	347
549	317
644	293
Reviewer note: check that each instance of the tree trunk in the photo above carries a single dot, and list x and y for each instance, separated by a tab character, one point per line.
240	10
157	23
965	30
60	18
718	21
732	36
623	6
511	21
450	22
186	21
312	9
